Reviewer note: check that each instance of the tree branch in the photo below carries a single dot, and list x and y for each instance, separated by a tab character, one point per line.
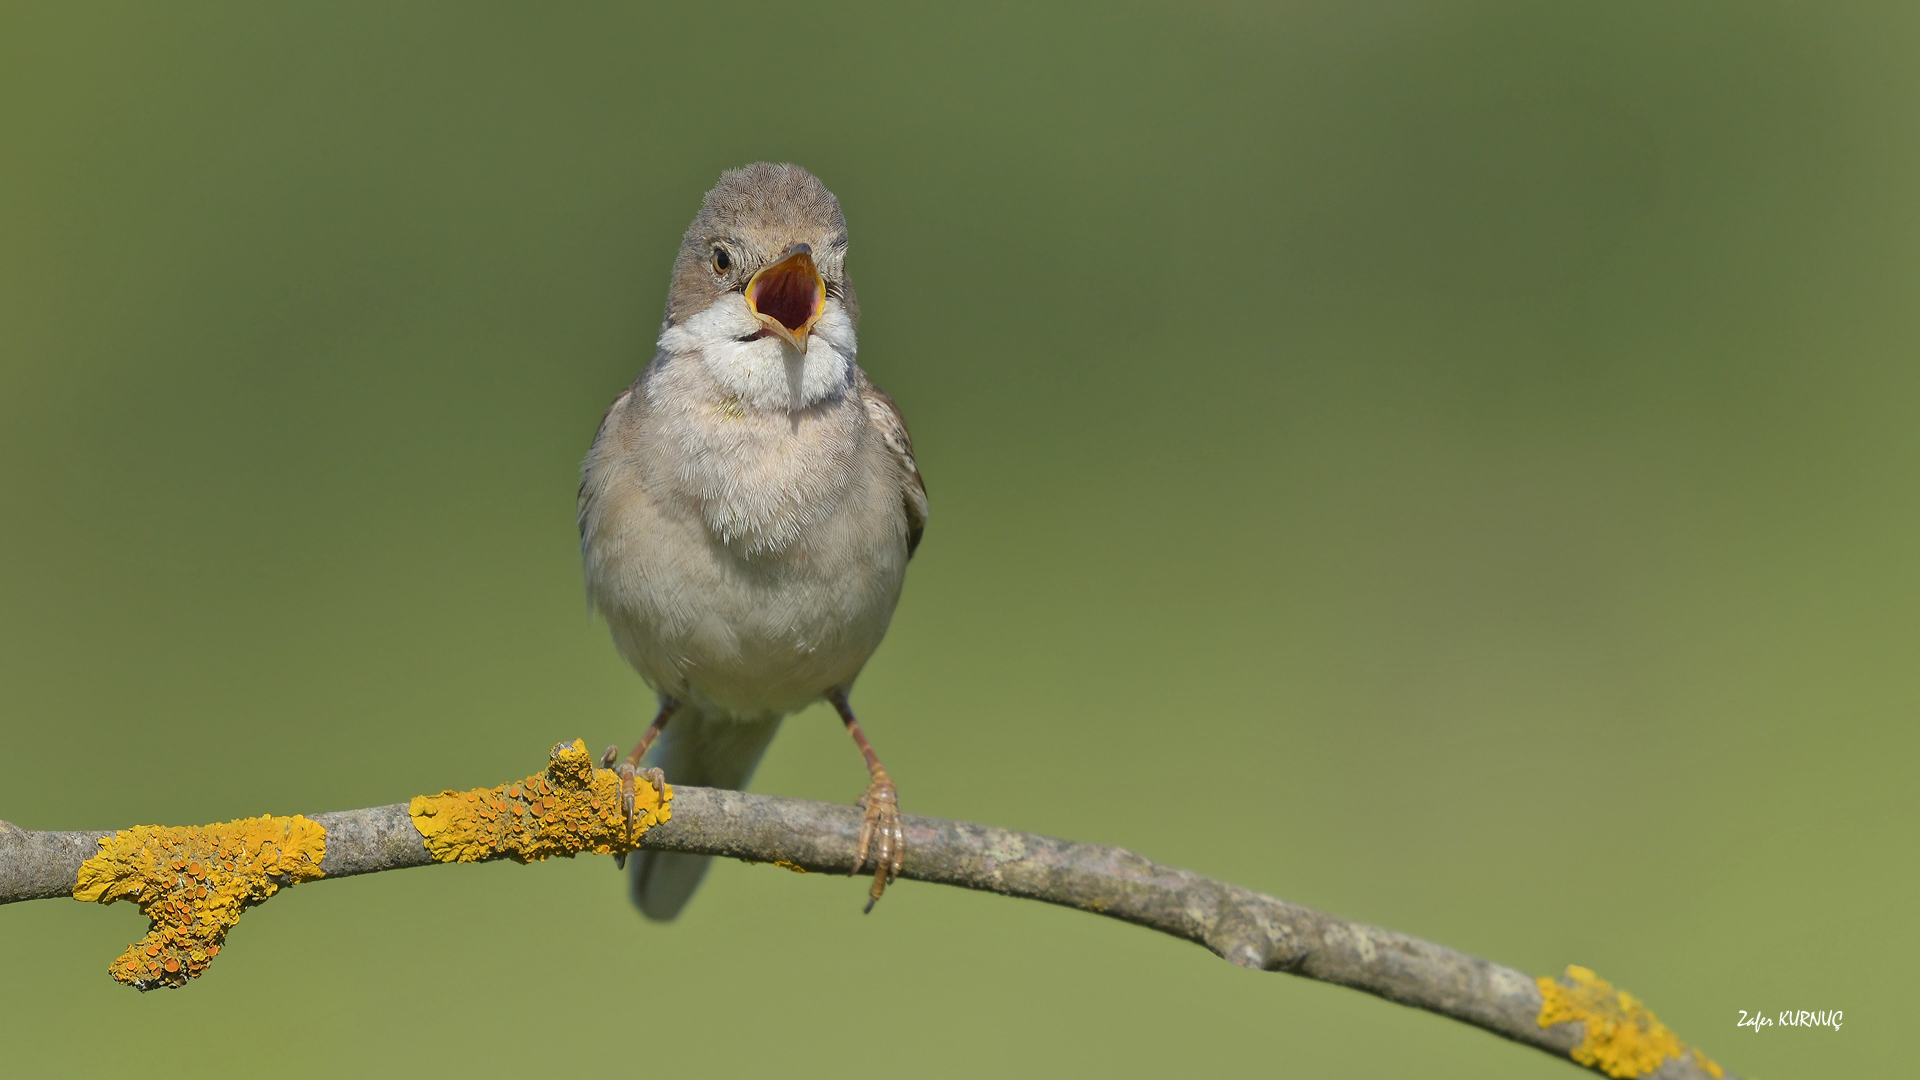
1578	1017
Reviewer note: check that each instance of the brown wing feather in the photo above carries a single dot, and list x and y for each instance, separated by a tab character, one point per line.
893	431
584	501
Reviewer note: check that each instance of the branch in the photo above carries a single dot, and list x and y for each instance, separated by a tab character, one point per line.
194	882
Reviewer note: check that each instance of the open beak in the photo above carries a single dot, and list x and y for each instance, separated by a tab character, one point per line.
789	296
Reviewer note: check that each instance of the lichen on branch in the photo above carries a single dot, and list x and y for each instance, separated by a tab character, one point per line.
1623	1038
569	808
193	882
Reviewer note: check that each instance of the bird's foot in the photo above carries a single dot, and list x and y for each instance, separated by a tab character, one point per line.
882	834
626	772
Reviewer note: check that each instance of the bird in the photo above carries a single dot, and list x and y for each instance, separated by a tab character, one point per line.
747	511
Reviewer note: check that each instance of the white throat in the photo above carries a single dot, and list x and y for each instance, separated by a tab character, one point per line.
765	372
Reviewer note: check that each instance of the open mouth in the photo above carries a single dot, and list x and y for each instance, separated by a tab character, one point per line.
789	296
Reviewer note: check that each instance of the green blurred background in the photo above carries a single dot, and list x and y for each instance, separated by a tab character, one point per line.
1449	464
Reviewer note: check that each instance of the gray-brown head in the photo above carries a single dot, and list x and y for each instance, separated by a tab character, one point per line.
774	234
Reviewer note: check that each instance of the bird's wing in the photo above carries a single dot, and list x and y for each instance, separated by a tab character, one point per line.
893	431
583	506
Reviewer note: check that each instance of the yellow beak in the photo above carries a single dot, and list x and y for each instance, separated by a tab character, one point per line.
789	296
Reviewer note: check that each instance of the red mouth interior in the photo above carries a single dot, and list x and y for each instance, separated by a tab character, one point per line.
788	291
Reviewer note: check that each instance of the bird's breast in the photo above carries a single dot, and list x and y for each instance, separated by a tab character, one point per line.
761	483
752	557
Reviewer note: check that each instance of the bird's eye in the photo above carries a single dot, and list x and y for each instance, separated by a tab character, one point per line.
720	260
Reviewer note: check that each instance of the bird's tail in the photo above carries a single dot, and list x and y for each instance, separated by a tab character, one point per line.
705	751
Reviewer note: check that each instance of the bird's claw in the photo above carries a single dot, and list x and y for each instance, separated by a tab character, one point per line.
629	790
882	834
626	772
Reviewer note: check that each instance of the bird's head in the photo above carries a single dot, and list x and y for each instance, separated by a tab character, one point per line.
769	241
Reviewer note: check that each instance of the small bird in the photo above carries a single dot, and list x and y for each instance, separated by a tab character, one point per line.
748	508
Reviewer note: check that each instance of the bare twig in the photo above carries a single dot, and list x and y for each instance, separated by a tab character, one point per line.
1242	926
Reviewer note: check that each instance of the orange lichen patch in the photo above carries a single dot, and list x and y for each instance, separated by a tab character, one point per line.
569	808
795	867
1623	1038
193	883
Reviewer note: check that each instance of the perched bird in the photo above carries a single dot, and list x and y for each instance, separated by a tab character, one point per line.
748	508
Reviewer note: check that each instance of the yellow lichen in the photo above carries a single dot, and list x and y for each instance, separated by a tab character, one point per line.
569	808
795	867
192	883
1623	1038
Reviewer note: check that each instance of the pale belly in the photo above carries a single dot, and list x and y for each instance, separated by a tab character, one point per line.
752	635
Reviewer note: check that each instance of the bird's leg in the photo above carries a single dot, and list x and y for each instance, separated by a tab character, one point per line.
880	829
627	769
